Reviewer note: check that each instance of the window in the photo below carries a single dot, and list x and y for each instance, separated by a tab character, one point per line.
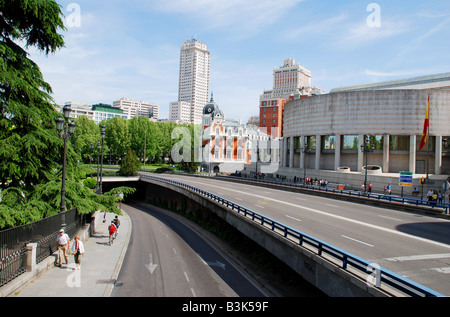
328	142
310	142
349	142
399	142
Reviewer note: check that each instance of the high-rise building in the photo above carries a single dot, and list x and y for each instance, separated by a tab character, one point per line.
290	81
194	77
180	112
132	108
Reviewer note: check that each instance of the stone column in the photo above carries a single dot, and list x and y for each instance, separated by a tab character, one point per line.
337	152
386	154
318	146
291	152
31	256
302	152
412	153
438	155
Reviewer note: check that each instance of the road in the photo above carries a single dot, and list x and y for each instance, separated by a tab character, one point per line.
165	258
412	245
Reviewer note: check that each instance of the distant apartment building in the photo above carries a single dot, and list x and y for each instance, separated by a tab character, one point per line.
106	112
180	112
290	81
194	78
132	108
79	109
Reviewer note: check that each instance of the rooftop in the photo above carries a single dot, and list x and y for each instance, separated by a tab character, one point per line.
437	81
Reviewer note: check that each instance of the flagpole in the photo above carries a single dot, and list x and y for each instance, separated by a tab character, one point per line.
428	136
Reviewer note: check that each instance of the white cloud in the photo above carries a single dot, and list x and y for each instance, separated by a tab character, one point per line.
248	15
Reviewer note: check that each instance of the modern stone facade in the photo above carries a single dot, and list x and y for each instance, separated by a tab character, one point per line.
326	132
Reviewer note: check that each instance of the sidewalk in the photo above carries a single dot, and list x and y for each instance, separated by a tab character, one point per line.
100	267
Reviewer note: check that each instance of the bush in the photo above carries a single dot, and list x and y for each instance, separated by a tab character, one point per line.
130	164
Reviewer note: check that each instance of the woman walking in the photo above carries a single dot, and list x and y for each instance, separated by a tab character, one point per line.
77	251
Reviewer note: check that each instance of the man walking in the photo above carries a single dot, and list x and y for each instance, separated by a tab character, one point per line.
62	245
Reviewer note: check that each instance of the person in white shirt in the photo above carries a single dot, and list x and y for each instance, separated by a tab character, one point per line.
62	245
77	251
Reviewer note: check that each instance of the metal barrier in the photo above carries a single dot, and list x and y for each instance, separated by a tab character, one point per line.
338	256
391	198
13	242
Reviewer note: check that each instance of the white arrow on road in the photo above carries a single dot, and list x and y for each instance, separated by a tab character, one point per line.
151	266
217	263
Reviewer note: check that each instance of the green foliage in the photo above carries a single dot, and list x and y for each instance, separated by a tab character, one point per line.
28	138
90	183
20	207
130	164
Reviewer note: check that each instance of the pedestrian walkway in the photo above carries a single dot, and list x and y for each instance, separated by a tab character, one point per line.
100	267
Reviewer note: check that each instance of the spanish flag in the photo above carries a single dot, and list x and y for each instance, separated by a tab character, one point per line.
426	125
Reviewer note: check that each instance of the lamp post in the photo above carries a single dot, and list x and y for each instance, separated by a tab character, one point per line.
98	164
101	160
67	129
365	149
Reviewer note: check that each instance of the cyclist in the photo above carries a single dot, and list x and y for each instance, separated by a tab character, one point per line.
116	222
112	229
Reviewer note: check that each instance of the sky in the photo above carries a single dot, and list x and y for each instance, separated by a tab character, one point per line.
131	48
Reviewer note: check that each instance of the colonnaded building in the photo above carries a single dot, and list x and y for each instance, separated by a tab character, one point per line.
332	135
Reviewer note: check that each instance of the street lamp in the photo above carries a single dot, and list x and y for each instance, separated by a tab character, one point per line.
67	129
365	149
101	160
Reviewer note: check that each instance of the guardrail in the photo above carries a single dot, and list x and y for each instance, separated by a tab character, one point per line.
391	198
343	259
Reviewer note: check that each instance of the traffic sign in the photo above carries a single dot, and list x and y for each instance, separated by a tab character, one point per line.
446	186
406	179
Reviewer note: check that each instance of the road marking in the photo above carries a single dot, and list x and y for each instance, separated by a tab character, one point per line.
237	198
334	206
396	219
175	251
259	206
185	275
419	257
359	241
293	218
445	270
193	293
151	266
338	217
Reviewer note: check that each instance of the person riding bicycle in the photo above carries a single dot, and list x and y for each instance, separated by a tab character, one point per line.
112	229
116	222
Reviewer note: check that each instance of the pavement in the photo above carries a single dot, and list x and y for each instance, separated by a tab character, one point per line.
100	267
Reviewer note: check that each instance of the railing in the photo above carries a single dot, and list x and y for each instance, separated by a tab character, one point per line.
341	258
13	242
382	197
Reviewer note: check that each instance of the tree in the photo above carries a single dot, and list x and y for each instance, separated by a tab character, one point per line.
28	137
85	133
130	164
117	136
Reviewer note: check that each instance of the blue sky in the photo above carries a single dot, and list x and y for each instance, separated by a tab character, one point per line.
130	48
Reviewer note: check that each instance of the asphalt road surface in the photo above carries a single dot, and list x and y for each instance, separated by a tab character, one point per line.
166	258
413	245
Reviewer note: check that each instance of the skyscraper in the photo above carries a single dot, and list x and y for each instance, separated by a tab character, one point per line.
194	77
